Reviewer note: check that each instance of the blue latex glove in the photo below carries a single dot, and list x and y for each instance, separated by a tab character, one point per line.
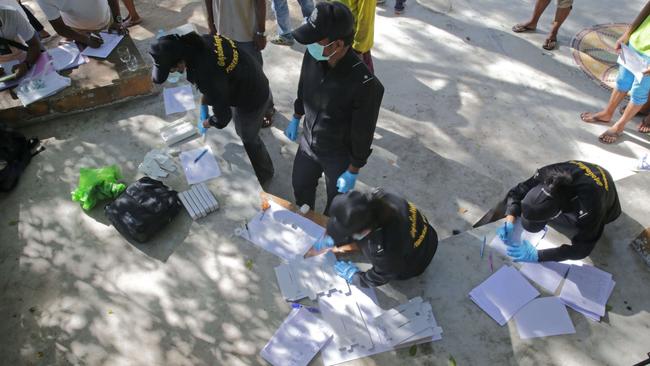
203	115
505	232
346	182
292	130
324	243
524	252
346	270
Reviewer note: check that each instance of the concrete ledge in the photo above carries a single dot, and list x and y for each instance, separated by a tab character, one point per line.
94	84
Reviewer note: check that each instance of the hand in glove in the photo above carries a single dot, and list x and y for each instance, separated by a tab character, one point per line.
524	252
346	181
505	232
346	270
203	115
324	243
292	130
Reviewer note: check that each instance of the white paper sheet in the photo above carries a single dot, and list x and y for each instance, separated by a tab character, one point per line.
632	61
543	317
111	40
41	82
204	169
282	232
587	289
309	277
178	99
503	294
336	351
297	341
518	236
548	275
66	56
407	322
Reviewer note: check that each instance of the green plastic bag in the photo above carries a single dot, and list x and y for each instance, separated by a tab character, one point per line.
97	185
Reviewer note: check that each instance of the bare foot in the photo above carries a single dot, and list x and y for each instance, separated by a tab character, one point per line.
644	127
610	136
598	117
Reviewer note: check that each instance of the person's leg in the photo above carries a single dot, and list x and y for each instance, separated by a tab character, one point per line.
133	17
530	25
283	19
247	126
333	167
639	96
306	7
250	48
561	14
306	172
624	83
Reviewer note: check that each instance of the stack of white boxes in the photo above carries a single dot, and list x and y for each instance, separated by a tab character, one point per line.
199	201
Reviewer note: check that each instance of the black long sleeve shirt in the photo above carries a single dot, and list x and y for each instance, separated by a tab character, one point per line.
340	105
228	77
400	249
590	203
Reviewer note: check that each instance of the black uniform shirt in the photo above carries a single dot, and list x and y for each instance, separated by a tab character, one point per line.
592	203
228	77
341	106
399	250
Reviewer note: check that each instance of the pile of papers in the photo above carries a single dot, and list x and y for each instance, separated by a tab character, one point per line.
41	82
408	323
157	164
66	56
503	294
310	277
586	290
282	232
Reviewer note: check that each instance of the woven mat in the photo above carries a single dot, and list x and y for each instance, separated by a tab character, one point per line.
593	51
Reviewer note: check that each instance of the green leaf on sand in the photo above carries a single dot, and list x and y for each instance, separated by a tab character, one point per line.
452	361
413	350
249	264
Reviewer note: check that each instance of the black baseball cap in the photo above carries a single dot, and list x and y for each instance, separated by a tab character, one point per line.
537	208
350	213
331	20
167	52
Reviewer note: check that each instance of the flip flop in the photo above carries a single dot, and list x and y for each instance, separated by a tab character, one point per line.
520	28
644	126
583	117
549	44
130	23
608	133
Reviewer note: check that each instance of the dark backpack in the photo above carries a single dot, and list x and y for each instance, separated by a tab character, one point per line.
143	209
15	154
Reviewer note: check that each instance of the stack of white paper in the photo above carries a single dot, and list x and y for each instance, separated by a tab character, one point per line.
178	99
546	316
297	341
518	236
41	82
177	132
586	290
282	232
340	311
201	170
408	323
547	275
503	294
309	277
66	56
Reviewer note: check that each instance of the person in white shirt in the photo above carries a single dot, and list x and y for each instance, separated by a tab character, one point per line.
18	40
77	19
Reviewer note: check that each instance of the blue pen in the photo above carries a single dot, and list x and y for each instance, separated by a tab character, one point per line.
482	247
312	310
200	156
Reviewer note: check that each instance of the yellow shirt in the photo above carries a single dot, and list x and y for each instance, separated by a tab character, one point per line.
364	19
640	39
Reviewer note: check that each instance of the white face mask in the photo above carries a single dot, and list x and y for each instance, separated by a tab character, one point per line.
361	235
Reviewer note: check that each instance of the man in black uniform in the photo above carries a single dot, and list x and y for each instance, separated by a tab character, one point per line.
231	81
390	231
575	197
340	99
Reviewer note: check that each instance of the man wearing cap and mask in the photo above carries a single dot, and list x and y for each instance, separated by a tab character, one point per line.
231	81
575	197
340	99
390	231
